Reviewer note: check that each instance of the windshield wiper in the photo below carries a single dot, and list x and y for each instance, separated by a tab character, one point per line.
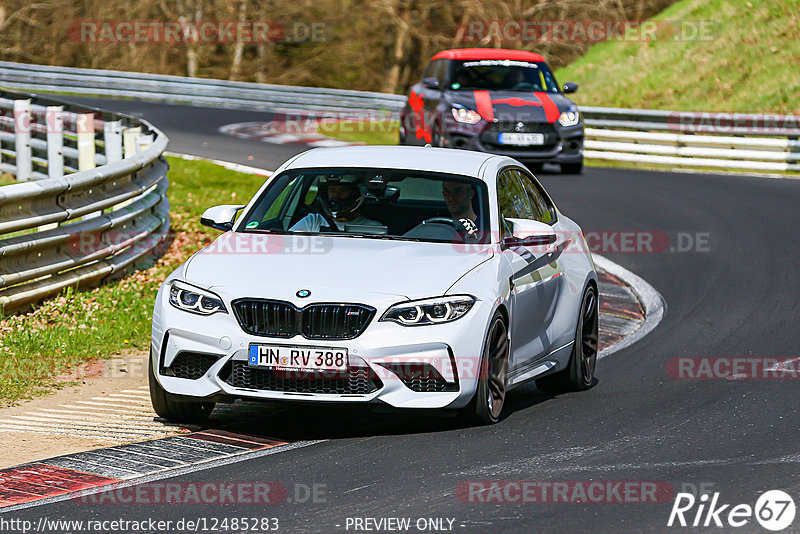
397	237
337	234
375	236
265	231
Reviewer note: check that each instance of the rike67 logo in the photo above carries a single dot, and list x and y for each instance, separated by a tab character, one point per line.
774	510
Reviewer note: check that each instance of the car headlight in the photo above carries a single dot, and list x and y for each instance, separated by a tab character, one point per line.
571	117
467	116
429	311
194	300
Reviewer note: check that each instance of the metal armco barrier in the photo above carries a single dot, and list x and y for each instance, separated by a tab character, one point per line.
634	135
764	142
91	198
191	91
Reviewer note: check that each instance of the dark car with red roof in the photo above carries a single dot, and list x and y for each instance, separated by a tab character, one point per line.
493	100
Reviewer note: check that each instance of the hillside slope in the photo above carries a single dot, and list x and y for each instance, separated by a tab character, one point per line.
750	63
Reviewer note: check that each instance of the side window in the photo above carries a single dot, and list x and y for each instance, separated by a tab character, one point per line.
441	72
541	208
438	70
512	199
548	81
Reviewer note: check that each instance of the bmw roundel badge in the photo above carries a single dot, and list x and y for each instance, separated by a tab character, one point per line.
303	293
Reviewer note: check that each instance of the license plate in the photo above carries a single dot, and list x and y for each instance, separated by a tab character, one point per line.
297	358
520	138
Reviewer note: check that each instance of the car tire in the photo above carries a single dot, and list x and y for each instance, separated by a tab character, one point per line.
572	168
487	404
168	407
579	374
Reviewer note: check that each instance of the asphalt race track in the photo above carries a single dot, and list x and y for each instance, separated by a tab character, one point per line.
737	297
193	130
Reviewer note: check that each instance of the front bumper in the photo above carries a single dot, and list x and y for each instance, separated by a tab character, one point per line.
561	144
432	366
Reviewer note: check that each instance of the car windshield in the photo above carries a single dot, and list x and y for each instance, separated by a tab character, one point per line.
503	75
375	203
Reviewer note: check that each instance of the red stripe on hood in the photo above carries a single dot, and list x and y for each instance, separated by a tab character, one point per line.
483	100
550	108
516	101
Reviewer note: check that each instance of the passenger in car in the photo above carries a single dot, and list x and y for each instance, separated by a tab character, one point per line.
458	198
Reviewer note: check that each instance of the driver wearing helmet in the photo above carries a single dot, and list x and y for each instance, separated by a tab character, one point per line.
343	198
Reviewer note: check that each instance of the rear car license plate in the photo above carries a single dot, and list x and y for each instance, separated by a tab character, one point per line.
297	358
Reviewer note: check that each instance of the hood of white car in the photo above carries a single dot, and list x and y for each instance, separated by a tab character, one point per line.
331	268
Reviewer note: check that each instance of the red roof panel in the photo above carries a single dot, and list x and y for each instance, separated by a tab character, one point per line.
488	53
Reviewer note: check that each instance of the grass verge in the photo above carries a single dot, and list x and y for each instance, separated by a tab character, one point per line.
740	60
64	333
378	132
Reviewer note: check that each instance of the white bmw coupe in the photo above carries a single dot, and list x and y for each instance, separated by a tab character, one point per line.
406	276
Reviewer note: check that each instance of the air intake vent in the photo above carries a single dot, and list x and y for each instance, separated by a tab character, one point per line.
355	381
191	365
421	377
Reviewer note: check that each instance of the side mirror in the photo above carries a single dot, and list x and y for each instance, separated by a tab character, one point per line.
570	87
430	83
220	217
529	233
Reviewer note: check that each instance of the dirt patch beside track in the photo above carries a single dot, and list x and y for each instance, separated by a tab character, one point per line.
109	405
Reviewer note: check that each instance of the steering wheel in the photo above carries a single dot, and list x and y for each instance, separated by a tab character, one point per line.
465	227
524	86
323	210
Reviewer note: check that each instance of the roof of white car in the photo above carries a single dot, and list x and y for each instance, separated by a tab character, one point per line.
463	162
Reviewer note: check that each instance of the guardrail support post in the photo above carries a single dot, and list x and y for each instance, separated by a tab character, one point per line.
86	150
55	141
130	146
115	139
143	142
54	122
85	142
112	135
129	140
22	138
